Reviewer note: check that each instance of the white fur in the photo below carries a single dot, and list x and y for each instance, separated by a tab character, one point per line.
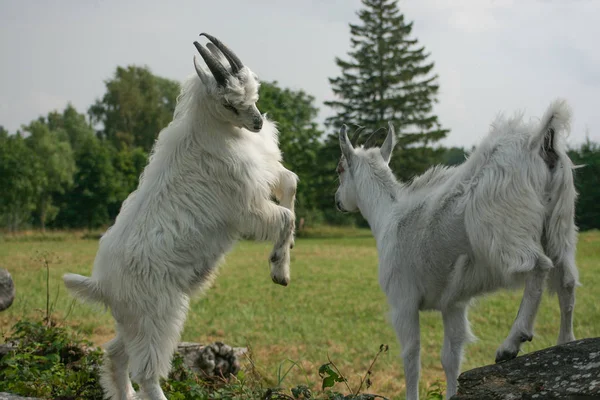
501	218
208	183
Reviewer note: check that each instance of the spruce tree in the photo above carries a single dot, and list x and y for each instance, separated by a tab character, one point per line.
388	78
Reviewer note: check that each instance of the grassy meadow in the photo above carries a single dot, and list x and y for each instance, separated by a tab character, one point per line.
333	307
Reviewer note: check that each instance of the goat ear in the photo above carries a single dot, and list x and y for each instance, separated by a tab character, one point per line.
388	144
345	145
204	77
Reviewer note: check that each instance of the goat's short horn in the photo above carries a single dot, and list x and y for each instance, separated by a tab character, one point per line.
234	61
217	69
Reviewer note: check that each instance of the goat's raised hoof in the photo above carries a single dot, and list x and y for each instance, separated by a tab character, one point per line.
282	282
506	355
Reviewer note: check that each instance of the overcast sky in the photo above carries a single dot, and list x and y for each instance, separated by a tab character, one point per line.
491	55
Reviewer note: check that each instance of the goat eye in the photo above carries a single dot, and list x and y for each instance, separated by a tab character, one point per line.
230	107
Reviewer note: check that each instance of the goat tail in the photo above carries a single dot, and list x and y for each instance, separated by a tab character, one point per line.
557	119
83	288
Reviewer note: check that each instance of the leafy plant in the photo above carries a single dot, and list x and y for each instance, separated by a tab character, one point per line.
367	378
48	361
330	375
45	362
435	392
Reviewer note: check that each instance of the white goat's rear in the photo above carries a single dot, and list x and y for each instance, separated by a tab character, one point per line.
503	218
208	183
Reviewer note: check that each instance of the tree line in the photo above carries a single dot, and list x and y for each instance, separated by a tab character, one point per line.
71	169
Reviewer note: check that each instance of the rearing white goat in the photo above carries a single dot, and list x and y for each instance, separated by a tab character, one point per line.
503	217
208	182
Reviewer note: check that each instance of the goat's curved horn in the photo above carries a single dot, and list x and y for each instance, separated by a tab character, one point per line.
356	134
372	139
234	61
217	69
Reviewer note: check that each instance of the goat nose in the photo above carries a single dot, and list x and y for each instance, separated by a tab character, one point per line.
258	123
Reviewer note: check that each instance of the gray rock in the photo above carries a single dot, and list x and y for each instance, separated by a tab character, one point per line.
215	360
5	348
568	371
7	289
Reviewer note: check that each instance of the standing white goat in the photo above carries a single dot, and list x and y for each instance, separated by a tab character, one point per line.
208	182
503	217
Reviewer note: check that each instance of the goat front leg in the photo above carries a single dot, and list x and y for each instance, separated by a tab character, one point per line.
456	333
285	191
522	328
274	223
406	324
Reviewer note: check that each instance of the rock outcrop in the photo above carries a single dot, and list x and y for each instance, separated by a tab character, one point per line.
215	360
570	371
7	289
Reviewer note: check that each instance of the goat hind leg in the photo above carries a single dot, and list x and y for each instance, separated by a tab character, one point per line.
566	299
522	328
563	280
151	389
114	376
153	340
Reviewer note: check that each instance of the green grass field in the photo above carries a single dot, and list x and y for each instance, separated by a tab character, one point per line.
333	307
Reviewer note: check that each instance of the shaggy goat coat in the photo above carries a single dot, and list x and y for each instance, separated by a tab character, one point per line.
502	218
203	178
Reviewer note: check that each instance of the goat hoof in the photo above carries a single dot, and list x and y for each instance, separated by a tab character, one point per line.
282	282
506	355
